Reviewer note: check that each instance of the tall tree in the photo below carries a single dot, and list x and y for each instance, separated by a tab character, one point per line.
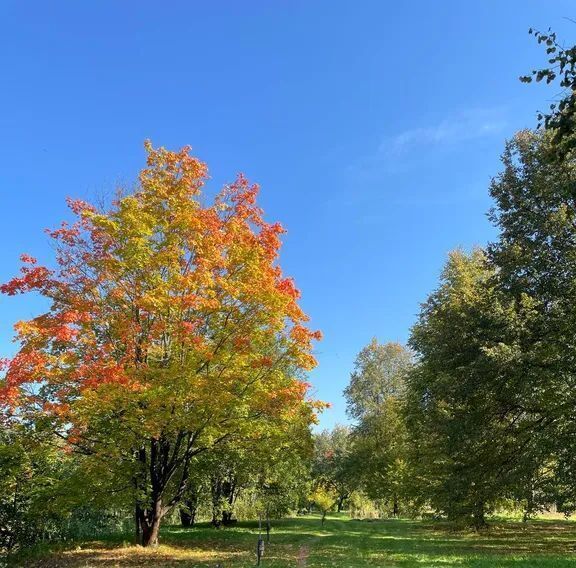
375	398
171	330
379	373
535	256
468	437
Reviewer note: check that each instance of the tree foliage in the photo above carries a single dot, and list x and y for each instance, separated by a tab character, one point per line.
332	463
171	330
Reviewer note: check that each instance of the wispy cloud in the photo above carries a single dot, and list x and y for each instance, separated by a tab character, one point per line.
396	151
465	125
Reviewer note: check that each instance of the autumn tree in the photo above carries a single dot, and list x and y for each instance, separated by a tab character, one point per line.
171	330
324	500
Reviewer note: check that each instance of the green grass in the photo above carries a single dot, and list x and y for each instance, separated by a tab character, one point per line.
342	543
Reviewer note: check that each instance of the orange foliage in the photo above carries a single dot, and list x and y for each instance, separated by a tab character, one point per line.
167	299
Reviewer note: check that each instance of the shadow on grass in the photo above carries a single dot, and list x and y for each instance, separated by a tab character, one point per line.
340	543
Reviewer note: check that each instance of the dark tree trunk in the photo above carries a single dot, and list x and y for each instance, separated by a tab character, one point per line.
479	516
341	500
530	506
187	518
138	528
396	507
223	490
229	493
189	508
216	489
160	459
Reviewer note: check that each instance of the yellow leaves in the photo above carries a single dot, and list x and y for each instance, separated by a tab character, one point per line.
172	312
25	329
104	223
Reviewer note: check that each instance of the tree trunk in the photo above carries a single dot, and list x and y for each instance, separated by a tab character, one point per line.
216	490
530	506
160	459
479	516
150	533
341	500
138	528
149	521
396	507
187	517
189	508
229	493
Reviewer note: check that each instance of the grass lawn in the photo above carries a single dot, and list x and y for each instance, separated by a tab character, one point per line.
342	543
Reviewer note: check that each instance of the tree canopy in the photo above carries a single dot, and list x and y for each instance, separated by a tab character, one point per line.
171	330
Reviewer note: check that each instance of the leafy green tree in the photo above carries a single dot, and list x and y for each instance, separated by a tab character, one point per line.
331	466
379	373
535	257
381	455
560	119
470	441
32	471
375	397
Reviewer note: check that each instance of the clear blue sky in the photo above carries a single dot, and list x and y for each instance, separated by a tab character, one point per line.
373	128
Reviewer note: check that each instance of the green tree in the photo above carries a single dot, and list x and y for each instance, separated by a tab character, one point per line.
535	258
375	398
470	442
560	119
331	465
32	472
379	373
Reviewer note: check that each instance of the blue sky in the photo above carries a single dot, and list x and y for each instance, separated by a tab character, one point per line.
373	128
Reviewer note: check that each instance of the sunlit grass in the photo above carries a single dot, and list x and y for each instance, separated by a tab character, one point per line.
341	543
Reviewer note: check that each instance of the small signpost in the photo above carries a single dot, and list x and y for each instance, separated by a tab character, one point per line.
260	545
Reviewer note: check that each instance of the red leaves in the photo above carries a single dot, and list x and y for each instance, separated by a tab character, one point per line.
263	361
27	259
189	327
33	278
287	286
169	296
270	240
66	233
303	335
25	367
79	207
65	333
93	374
241	343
